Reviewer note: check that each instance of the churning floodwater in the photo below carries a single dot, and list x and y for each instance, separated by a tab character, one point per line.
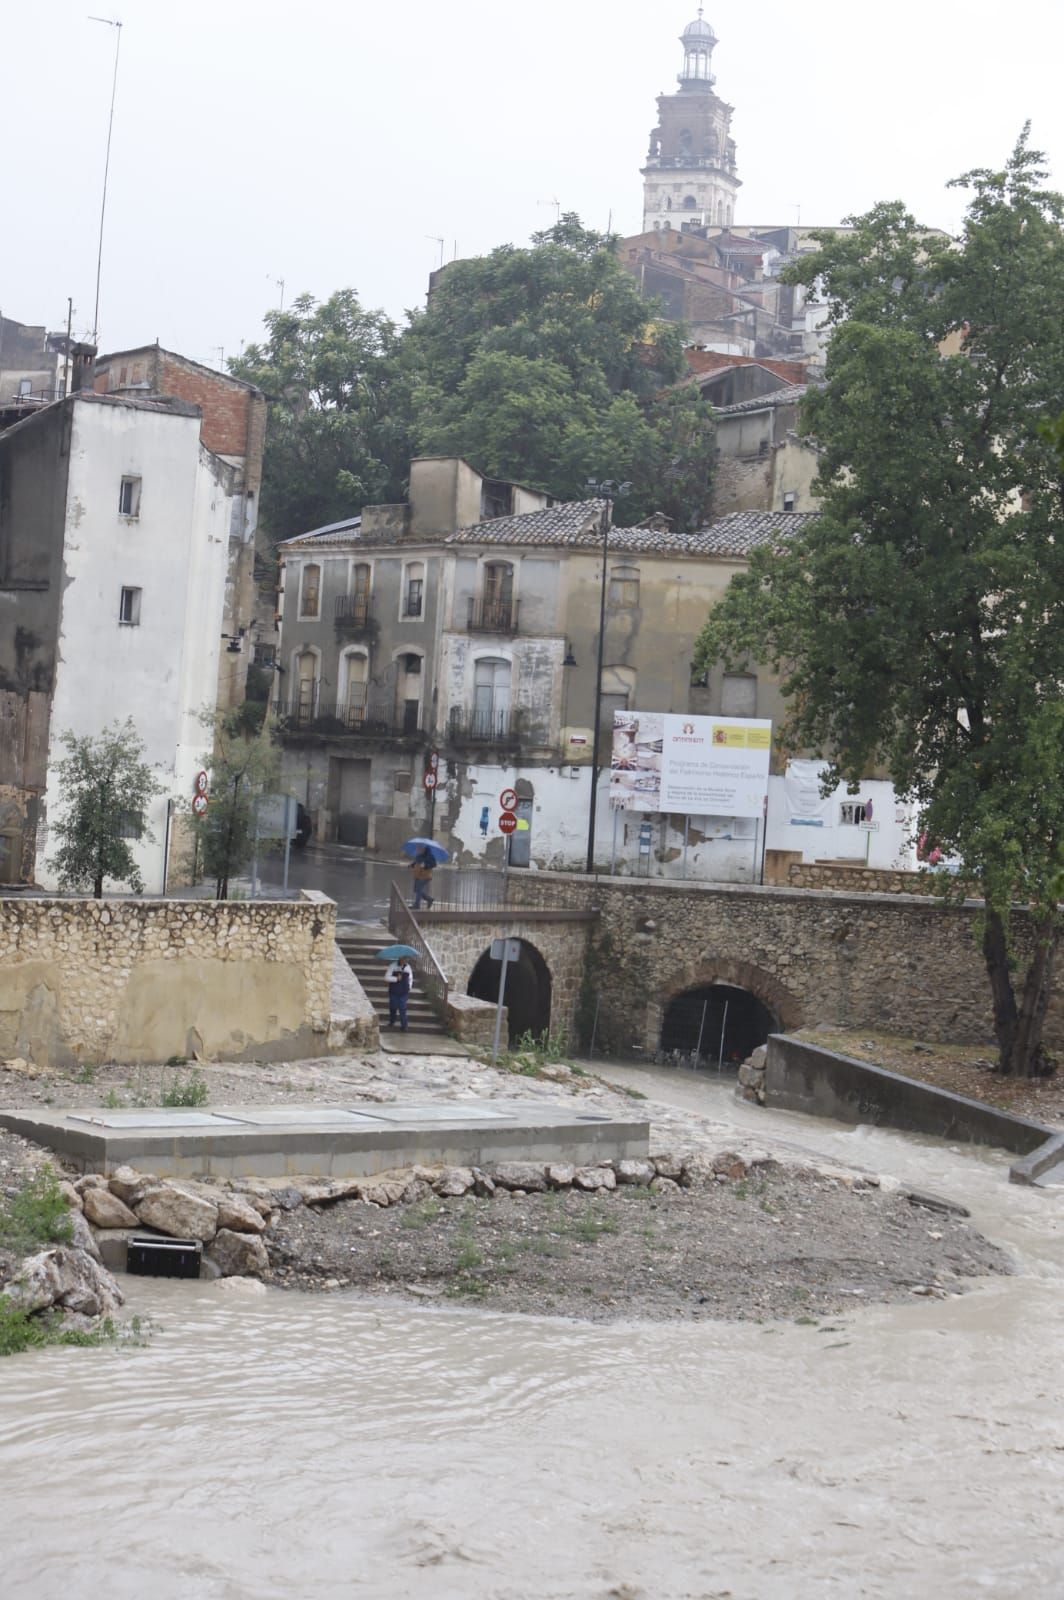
270	1445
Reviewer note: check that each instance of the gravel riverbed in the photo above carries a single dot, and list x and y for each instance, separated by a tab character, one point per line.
779	1238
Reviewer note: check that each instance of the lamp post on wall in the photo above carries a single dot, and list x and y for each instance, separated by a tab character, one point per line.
609	490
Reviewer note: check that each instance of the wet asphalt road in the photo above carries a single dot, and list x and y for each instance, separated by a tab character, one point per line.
359	886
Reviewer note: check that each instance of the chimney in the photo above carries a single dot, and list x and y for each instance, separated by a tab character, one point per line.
82	367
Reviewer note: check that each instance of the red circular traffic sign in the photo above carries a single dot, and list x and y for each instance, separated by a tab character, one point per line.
199	805
508	799
201	782
430	780
507	822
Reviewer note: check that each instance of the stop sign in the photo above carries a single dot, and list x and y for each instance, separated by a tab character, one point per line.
507	822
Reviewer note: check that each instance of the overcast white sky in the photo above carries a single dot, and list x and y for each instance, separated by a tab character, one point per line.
325	141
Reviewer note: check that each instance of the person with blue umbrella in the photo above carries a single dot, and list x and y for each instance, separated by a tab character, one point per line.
427	854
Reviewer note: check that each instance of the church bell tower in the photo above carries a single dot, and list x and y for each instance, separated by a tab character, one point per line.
690	171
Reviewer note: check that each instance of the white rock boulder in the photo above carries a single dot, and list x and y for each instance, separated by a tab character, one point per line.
239	1255
105	1210
178	1212
68	1278
238	1216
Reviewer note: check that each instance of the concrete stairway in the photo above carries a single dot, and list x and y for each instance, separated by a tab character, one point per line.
359	950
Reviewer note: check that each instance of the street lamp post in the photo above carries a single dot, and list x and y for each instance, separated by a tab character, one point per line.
608	489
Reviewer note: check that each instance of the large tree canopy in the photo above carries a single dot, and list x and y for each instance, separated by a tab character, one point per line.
542	366
337	435
545	365
917	624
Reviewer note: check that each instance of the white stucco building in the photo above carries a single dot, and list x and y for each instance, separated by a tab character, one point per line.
119	519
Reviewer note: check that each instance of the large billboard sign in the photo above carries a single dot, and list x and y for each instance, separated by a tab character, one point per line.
693	766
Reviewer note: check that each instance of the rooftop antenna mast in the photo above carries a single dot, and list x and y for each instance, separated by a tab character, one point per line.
108	22
436	240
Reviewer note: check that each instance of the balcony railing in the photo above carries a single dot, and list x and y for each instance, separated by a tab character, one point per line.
370	720
492	616
353	608
493	727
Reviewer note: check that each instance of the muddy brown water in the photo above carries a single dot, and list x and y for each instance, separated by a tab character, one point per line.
270	1445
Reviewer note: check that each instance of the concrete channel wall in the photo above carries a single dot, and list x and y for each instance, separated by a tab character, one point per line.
143	980
800	1076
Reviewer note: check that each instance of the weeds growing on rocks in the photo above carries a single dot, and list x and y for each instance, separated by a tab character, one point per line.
37	1215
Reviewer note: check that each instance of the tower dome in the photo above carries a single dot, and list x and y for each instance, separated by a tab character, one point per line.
699	29
698	40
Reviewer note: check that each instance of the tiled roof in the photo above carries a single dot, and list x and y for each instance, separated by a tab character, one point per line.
740	531
713	362
777	397
572	522
332	533
576	525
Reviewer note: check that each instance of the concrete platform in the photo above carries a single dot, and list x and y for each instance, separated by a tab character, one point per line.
340	1141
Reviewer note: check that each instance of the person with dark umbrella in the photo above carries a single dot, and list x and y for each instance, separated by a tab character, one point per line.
400	977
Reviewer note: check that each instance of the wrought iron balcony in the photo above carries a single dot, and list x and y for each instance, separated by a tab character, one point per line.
492	616
367	719
493	728
353	608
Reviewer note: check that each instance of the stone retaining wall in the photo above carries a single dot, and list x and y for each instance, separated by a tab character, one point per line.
354	1023
460	938
904	965
472	1022
857	879
142	980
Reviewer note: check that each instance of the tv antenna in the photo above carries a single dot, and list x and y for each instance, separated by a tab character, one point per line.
108	22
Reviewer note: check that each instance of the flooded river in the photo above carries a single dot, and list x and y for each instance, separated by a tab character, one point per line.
269	1445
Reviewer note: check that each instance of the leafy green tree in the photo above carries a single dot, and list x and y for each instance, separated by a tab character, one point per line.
545	366
106	787
917	623
337	425
243	767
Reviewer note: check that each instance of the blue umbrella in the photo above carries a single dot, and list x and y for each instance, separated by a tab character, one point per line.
414	847
395	952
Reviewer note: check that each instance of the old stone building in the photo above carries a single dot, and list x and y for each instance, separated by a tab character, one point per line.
464	627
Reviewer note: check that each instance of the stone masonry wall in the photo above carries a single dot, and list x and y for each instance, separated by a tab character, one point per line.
904	965
132	980
459	939
857	879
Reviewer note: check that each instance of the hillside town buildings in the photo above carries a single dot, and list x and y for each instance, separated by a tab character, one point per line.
457	635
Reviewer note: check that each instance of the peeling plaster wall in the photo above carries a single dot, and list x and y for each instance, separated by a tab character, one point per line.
719	849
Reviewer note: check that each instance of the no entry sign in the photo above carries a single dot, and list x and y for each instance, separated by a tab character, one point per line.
507	822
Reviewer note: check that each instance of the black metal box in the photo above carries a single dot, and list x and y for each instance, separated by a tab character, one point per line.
163	1258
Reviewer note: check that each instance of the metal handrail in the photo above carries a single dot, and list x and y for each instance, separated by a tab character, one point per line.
403	924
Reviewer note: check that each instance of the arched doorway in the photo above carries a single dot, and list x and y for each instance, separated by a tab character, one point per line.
528	990
715	1025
